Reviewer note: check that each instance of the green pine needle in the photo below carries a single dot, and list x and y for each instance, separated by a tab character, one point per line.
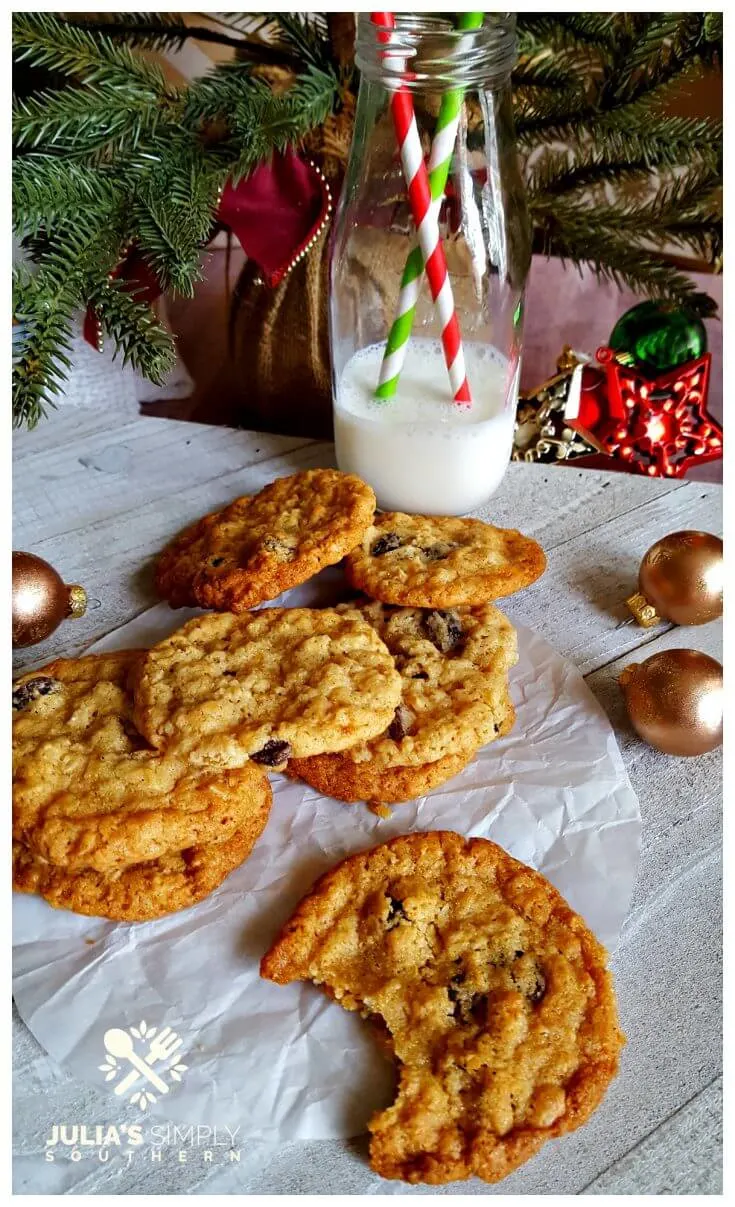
304	34
263	121
139	337
45	40
49	190
41	344
149	31
84	121
622	262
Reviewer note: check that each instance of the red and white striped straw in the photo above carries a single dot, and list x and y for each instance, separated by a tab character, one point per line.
427	224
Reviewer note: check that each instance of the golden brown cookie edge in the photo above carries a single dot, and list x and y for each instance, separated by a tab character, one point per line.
134	895
337	776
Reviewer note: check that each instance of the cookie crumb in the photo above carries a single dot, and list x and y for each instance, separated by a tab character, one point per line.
379	809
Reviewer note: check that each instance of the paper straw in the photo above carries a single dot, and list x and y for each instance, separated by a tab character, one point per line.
425	216
440	161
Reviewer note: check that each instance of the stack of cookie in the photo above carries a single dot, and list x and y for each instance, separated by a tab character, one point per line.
140	777
434	578
103	824
426	585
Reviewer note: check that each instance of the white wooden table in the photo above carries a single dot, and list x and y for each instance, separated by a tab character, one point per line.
98	491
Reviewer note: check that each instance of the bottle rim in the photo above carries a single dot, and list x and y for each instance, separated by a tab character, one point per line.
424	51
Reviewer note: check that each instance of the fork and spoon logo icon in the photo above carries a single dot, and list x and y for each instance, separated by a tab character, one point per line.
162	1048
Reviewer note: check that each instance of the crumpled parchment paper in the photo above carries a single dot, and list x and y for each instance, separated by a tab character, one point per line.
284	1062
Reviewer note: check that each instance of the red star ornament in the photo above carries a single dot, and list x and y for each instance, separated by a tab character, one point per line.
657	426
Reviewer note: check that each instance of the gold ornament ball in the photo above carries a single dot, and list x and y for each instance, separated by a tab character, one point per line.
682	576
41	599
674	701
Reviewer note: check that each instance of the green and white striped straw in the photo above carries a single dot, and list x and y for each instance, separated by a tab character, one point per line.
440	160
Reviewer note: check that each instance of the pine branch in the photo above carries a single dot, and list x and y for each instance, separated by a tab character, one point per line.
44	40
712	28
263	121
150	31
50	190
75	257
663	48
684	211
604	30
249	24
691	191
41	344
212	97
83	121
138	335
557	30
652	101
170	247
647	56
538	105
292	40
172	214
558	172
643	230
306	36
701	235
623	263
74	262
75	272
632	133
544	70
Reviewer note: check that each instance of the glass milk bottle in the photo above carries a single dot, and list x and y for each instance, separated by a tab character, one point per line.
401	417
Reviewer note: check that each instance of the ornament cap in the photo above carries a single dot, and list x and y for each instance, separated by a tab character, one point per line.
627	674
77	601
568	360
643	610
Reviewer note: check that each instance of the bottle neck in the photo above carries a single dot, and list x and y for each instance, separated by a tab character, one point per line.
427	53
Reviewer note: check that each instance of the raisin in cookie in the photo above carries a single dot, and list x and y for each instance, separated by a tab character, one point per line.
494	995
266	685
142	892
454	698
260	545
441	561
88	790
